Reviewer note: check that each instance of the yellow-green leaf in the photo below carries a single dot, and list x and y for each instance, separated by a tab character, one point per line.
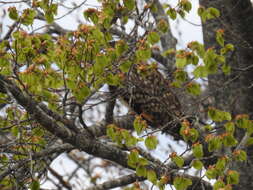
153	37
178	160
152	177
181	183
219	184
200	72
232	177
13	13
141	171
198	150
172	13
193	88
151	142
35	185
130	4
197	164
181	62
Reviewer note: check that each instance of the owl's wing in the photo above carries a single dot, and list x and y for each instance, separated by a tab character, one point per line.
148	93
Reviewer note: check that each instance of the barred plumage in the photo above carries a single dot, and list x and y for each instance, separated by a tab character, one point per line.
148	93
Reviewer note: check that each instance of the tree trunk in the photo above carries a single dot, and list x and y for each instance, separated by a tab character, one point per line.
234	93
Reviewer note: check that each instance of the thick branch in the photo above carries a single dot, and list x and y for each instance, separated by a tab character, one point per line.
83	141
119	182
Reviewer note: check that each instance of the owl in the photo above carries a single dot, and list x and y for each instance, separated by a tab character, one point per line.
149	94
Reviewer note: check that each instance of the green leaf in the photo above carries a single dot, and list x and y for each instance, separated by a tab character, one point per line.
151	142
4	158
198	150
194	134
181	13
211	173
197	164
54	8
193	88
198	48
139	125
130	4
219	37
205	14
219	184
178	160
181	183
240	155
221	164
142	162
249	141
189	133
28	16
242	121
153	8
124	19
132	141
230	127
110	132
169	52
91	14
195	60
162	26
101	62
35	185
226	69
133	158
129	139
121	47
153	37
214	143
151	176
187	6
141	171
218	115
214	12
82	93
210	61
250	127
181	62
112	79
13	13
229	140
230	47
172	13
143	54
232	177
180	75
221	59
49	17
125	66
200	72
226	116
125	134
201	10
15	131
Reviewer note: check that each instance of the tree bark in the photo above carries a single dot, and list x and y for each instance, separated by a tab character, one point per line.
234	92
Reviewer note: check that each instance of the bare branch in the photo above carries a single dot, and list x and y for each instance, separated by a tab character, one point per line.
121	181
60	178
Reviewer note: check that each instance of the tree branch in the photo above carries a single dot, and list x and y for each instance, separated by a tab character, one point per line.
83	141
118	182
